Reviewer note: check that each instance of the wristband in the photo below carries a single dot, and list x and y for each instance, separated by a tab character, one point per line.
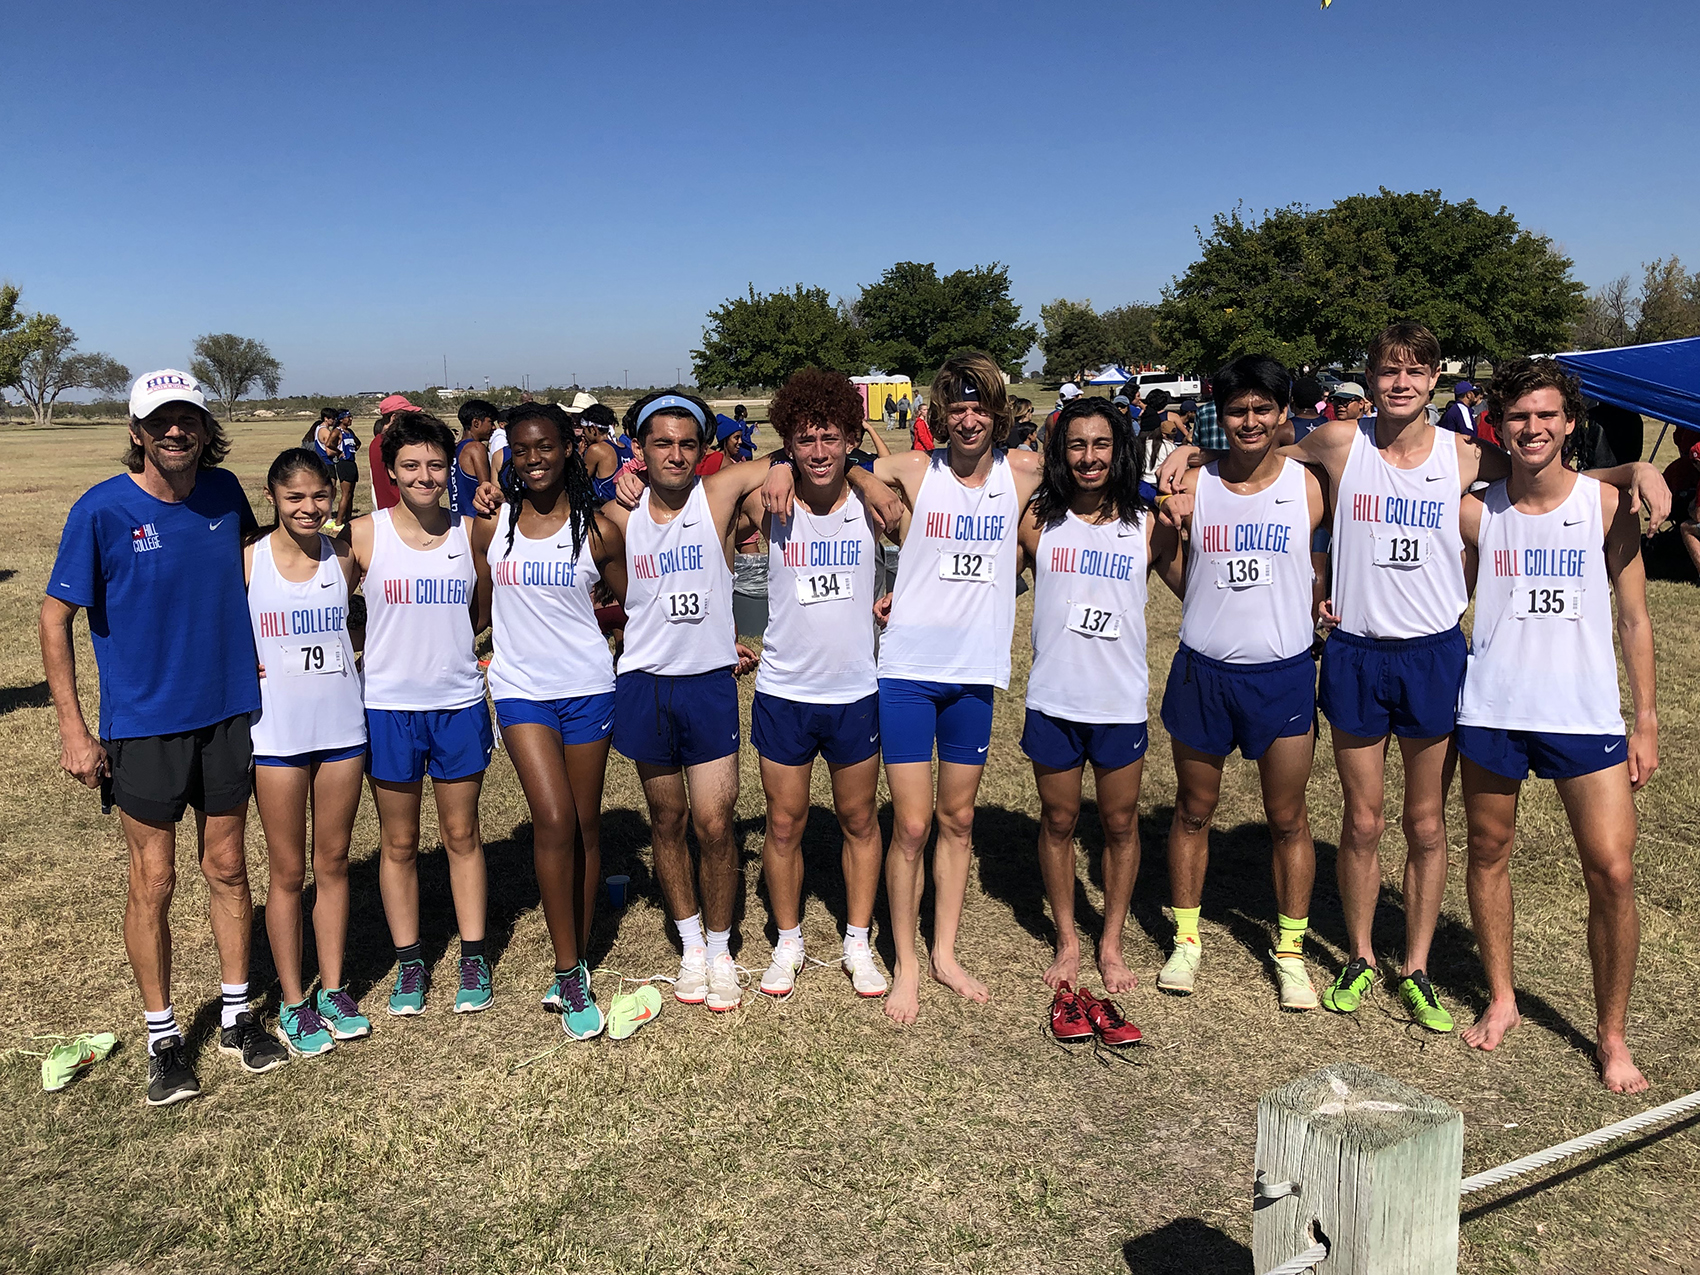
865	462
780	458
1168	495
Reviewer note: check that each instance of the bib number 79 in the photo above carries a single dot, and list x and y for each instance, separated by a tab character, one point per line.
304	661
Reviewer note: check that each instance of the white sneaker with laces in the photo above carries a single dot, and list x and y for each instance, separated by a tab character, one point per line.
723	990
781	976
691	987
865	976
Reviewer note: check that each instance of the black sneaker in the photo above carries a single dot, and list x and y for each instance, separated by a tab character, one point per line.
257	1048
169	1077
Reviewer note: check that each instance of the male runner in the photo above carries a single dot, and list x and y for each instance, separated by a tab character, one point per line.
1393	666
1541	693
155	556
472	455
945	648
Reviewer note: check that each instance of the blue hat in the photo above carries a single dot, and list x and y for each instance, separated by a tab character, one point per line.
1462	388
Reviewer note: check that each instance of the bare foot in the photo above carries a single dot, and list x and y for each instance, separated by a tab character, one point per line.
1499	1018
1066	968
1115	973
1618	1069
953	976
903	1001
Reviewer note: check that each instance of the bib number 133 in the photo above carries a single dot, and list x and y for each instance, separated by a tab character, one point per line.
685	607
976	568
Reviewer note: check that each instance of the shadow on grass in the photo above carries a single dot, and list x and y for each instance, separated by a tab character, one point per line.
1184	1246
16	697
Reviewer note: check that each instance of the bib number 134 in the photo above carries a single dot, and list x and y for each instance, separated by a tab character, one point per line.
976	568
1546	604
828	586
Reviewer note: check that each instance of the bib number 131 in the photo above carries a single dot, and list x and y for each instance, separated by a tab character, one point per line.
684	607
1546	604
303	661
976	568
1401	550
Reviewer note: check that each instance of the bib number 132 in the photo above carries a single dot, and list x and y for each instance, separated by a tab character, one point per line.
1546	604
684	607
976	568
303	661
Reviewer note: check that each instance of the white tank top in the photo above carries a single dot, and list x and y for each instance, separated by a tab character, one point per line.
419	651
1089	622
310	697
678	593
953	610
547	642
1541	654
1398	554
819	644
1248	571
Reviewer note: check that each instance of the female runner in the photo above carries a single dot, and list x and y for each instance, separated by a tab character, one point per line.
309	741
552	676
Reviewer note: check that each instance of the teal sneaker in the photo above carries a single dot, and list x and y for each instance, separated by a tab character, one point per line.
1350	986
342	1014
408	998
303	1030
474	993
555	998
581	1016
1422	1004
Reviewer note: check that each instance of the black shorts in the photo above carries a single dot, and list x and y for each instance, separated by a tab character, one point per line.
347	472
156	777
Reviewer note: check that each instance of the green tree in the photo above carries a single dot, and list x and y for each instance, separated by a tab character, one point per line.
231	365
43	361
1131	333
1669	302
1609	317
1074	339
1312	286
762	338
10	319
914	320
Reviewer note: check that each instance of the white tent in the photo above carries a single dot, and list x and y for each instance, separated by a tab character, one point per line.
1111	375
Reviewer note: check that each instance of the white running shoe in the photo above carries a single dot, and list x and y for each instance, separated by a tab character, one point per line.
691	987
865	976
781	976
723	990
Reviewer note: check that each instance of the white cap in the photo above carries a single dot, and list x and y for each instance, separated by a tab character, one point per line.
581	400
154	390
1068	391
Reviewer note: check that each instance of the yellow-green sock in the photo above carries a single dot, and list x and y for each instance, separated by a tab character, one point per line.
1186	925
1292	940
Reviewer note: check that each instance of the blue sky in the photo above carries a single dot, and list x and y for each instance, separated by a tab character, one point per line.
560	188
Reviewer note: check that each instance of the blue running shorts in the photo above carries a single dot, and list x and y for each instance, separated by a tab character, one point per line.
408	744
318	756
1402	686
578	719
1063	745
1514	753
1213	707
914	714
676	721
790	732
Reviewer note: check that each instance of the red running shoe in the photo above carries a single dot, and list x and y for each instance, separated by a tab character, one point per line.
1068	1017
1107	1020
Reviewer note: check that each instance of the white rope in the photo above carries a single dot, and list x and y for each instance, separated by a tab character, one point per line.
1587	1142
1301	1262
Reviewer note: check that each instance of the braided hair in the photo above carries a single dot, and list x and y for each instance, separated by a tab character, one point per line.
578	488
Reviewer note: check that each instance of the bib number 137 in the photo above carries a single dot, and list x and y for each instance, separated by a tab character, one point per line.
976	568
1091	621
1546	604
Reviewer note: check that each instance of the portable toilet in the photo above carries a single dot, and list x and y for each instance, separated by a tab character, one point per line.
876	389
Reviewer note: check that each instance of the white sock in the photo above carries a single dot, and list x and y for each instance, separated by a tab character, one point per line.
235	1002
161	1023
719	943
690	931
795	934
855	934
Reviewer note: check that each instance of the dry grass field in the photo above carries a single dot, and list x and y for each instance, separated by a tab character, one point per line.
809	1135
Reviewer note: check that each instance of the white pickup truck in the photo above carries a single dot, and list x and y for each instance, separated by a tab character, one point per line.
1178	384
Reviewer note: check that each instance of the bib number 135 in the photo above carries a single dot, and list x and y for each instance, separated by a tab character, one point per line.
1546	604
976	568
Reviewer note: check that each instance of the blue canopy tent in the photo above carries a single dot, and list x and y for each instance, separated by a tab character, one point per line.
1661	380
1111	375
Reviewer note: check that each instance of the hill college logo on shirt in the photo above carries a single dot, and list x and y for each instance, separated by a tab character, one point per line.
144	538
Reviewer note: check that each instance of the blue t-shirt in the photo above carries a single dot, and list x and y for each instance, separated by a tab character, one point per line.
162	584
463	486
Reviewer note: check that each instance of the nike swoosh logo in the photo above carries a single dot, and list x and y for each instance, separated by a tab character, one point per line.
1612	748
454	555
214	526
605	725
982	748
563	544
1434	478
873	739
1573	522
1287	501
1295	717
643	1017
327	584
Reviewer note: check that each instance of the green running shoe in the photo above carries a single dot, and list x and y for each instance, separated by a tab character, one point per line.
408	998
581	1016
1180	972
342	1014
64	1061
474	993
1422	1004
304	1031
629	1012
1349	987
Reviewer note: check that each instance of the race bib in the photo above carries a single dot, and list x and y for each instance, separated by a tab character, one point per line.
1245	571
976	568
827	586
1546	604
304	661
1401	549
1090	621
683	607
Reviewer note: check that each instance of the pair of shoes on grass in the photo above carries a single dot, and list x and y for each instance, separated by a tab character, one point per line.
1179	976
1078	1016
412	981
1414	990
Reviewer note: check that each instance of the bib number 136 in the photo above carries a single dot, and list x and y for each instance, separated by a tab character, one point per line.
1546	604
1245	571
976	568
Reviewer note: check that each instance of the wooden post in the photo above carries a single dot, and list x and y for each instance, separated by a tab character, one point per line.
1367	1164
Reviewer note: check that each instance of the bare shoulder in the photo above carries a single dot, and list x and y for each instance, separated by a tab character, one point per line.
615	514
1025	463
